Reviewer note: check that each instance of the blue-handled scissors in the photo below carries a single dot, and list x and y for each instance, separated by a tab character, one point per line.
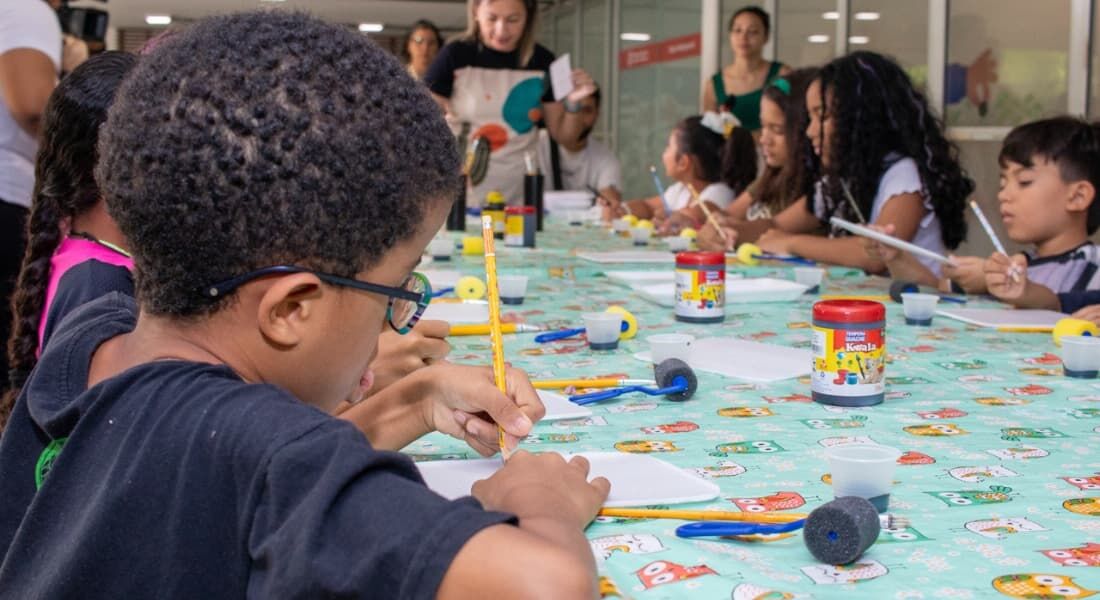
720	528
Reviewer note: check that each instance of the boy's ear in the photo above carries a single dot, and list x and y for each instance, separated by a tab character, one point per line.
1082	194
287	307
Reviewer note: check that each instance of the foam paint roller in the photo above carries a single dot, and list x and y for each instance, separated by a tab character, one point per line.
1066	327
839	532
629	328
675	381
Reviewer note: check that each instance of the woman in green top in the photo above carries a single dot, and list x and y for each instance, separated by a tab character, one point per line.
743	80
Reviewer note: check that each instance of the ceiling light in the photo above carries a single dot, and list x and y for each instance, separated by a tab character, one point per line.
158	19
867	16
818	38
832	15
858	39
371	27
635	37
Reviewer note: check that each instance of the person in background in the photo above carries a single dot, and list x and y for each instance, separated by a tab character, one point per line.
584	164
421	45
787	155
493	82
742	82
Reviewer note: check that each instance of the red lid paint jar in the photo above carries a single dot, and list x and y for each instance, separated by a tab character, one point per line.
700	287
849	348
519	226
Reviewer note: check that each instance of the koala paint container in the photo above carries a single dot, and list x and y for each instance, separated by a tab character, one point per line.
700	287
849	352
520	226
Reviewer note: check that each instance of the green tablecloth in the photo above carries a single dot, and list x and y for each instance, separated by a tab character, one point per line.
1000	480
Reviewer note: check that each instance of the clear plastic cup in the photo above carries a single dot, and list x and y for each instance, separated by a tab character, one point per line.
810	277
603	329
864	470
664	346
1081	356
441	248
620	225
513	288
576	217
641	235
677	243
919	308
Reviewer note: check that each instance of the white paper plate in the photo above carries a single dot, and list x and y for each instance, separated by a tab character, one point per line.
559	407
1004	317
746	360
557	202
738	291
654	276
466	311
636	479
629	256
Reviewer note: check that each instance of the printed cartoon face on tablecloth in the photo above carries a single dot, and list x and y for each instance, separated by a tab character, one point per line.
963	365
661	572
726	468
608	589
980	474
863	570
919	349
936	430
1015	434
829	442
776	501
1041	372
943	413
1084	413
999	529
853	422
553	438
907	381
745	412
677	427
1083	556
1089	483
633	407
912	457
800	398
997	494
995	401
1083	506
979	378
1032	389
646	446
1019	453
1036	586
645	543
582	422
747	447
749	591
1046	358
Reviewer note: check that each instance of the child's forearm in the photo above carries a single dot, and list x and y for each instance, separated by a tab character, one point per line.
750	231
910	269
562	535
847	251
393	418
1036	296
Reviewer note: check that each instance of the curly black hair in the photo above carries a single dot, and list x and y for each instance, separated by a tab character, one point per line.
64	187
782	186
730	160
878	112
1071	143
267	138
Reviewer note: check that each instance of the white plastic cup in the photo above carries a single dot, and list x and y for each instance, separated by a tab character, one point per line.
641	235
576	217
664	346
919	308
864	470
441	248
620	225
513	288
810	277
677	243
1081	356
603	329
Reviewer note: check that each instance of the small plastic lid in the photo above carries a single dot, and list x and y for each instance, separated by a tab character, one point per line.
494	196
849	311
700	258
520	210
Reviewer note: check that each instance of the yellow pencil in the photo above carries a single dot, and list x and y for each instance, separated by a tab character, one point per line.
1027	329
483	328
495	338
709	215
606	382
702	515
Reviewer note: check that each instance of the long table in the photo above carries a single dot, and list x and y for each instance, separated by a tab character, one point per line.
1000	480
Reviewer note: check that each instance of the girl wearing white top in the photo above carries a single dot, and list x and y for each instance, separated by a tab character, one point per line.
710	154
876	140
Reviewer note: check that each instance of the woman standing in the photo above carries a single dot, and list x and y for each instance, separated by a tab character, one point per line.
493	82
743	81
421	46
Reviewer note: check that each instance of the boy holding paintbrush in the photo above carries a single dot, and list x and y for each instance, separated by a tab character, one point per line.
1050	172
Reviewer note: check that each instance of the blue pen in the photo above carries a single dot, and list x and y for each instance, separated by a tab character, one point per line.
660	189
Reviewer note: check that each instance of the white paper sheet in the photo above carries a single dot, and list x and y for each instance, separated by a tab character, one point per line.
636	479
630	256
559	407
466	311
441	278
738	291
652	276
742	359
1004	317
561	77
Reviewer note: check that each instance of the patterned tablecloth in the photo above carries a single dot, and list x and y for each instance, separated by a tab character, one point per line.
1000	479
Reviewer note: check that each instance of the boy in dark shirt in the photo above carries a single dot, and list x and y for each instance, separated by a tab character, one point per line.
278	179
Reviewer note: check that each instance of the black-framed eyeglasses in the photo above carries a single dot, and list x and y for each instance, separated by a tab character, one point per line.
406	303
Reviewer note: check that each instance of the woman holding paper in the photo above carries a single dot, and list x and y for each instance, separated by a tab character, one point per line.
493	82
742	82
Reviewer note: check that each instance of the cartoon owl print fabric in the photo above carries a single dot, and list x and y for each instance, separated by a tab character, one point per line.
999	479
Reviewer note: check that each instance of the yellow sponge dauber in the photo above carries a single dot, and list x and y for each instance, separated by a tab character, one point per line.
747	254
470	288
630	320
1068	327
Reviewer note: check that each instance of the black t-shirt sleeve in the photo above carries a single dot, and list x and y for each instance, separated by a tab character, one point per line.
338	519
440	77
1075	301
81	284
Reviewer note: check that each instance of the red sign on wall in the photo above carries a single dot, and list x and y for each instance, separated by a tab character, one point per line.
677	48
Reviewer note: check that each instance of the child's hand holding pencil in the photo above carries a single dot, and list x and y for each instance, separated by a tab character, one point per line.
1006	278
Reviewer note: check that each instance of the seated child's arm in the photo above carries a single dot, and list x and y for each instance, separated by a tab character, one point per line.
460	401
710	240
400	355
1090	313
690	216
646	208
902	265
612	203
1007	279
1086	302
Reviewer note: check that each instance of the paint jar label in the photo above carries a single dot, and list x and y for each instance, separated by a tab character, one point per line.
849	362
700	293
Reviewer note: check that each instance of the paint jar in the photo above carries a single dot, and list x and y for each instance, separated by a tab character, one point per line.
520	224
700	287
494	207
849	352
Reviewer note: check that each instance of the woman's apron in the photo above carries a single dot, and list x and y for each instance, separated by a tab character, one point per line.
502	105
